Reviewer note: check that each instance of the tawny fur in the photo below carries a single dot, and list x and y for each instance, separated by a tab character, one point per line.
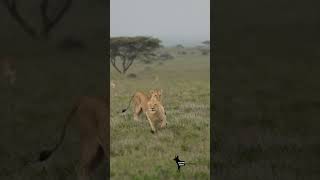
156	114
144	103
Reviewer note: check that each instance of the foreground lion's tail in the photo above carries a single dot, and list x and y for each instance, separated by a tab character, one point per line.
124	110
44	155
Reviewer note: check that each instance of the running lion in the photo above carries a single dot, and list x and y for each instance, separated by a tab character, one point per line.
152	107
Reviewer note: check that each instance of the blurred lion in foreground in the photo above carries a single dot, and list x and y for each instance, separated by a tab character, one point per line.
152	106
92	115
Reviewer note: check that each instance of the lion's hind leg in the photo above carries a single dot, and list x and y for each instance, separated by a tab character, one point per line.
136	112
91	155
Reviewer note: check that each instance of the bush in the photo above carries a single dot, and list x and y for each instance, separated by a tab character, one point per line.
166	56
132	75
182	52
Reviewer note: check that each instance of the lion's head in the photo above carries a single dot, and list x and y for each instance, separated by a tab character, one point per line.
156	94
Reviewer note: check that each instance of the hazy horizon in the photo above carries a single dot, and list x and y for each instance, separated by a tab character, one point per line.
174	22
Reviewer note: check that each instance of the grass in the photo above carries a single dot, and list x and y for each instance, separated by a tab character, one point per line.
138	154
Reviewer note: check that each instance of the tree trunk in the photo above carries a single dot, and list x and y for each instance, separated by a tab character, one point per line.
113	62
128	65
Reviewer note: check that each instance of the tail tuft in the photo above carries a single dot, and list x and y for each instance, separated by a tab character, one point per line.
124	110
44	155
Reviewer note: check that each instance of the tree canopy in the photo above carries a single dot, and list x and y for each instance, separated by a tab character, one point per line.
128	49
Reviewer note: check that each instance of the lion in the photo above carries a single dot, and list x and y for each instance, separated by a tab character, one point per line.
151	105
156	114
92	115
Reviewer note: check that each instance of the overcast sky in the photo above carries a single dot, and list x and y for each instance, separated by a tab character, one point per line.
173	21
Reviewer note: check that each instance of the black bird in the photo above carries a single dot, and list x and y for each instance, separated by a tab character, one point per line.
179	162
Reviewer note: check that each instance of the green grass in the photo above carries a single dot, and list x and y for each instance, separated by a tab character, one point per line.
136	153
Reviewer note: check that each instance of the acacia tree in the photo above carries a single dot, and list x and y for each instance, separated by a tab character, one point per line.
127	49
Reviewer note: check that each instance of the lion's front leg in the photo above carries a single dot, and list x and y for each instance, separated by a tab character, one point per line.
153	129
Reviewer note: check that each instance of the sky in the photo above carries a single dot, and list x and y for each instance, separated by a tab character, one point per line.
184	22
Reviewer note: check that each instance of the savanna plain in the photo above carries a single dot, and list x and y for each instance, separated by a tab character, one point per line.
136	153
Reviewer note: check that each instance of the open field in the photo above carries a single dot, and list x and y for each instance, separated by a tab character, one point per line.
138	154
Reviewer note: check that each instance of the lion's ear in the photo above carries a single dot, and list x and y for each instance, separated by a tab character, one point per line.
151	91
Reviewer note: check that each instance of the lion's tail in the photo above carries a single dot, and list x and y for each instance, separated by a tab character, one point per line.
124	110
44	155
